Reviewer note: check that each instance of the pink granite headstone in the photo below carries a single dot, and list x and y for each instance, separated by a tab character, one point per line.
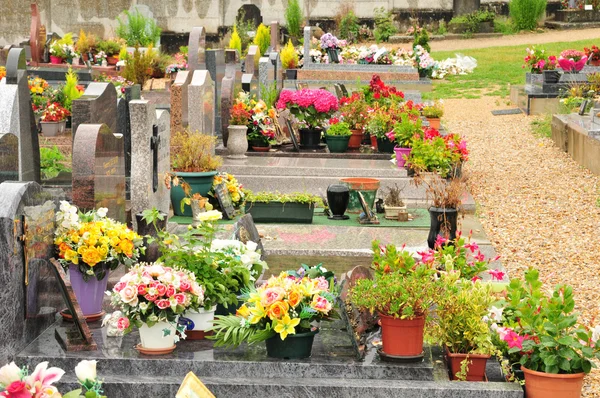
274	36
34	36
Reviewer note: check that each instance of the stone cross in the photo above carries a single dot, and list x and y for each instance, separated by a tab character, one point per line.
307	36
227	91
150	157
252	50
16	115
215	63
201	103
99	170
97	105
179	100
197	48
274	36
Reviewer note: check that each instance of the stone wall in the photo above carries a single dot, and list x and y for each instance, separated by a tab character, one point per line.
177	16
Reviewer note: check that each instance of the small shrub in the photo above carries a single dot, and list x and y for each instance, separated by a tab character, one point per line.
243	28
347	25
289	57
51	162
138	65
263	38
192	151
269	94
422	39
235	42
384	25
442	28
526	13
504	25
138	30
293	19
69	90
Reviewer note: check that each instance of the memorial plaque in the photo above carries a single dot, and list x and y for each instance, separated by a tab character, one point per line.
292	134
225	203
9	157
97	105
369	216
179	100
196	49
201	103
245	230
99	170
192	387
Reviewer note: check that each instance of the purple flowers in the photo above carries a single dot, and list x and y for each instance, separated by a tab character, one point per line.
329	41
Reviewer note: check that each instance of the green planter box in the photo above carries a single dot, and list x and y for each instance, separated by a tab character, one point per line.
277	212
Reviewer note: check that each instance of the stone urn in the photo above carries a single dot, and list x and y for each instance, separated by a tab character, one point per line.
237	143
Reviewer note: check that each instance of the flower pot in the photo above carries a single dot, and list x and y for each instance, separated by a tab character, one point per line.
384	145
112	60
595	62
291	74
394	212
551	76
89	294
200	182
443	222
476	369
56	60
402	337
144	229
337	143
355	139
295	346
434	122
152	336
548	385
374	141
237	144
338	197
277	212
367	186
52	129
261	148
310	138
401	155
231	308
334	55
202	319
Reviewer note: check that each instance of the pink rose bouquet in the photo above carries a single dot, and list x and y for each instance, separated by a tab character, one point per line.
572	60
151	293
312	108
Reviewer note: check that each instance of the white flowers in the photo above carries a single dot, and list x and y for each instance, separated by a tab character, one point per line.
495	314
101	212
9	373
86	370
212	215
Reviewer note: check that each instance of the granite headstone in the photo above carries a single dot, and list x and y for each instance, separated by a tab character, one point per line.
97	105
228	91
196	49
9	157
99	170
124	122
252	51
274	36
215	64
307	60
35	42
179	100
201	100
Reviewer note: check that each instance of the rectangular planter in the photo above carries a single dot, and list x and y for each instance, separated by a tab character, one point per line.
574	16
277	212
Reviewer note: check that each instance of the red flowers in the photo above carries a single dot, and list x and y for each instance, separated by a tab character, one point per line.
379	89
54	112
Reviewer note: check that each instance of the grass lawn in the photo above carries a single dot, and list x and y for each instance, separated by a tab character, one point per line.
497	68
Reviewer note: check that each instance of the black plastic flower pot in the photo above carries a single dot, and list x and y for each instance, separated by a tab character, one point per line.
310	138
338	197
291	74
295	346
334	55
443	223
385	146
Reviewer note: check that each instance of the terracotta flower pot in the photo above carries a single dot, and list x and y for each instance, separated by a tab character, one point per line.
548	385
374	142
476	369
355	139
434	122
112	60
402	337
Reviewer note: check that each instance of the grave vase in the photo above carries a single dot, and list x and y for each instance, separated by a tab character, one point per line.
199	321
443	222
237	144
91	293
200	182
295	346
153	340
334	55
338	197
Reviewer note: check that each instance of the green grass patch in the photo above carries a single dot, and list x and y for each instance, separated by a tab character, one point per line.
497	69
542	126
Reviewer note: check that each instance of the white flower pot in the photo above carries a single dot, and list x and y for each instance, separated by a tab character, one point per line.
203	319
152	337
237	143
52	129
392	213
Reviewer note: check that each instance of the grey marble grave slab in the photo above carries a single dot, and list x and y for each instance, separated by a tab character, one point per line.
215	63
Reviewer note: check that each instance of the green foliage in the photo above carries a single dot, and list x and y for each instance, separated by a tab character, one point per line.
384	25
349	27
138	65
542	127
235	43
421	38
339	129
471	21
405	130
504	25
431	155
289	56
442	28
153	216
193	151
230	332
51	162
263	38
293	19
69	90
526	13
110	47
269	94
297	197
243	29
138	30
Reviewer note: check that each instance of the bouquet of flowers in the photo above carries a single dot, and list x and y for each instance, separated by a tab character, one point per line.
593	53
100	57
260	118
424	62
379	92
41	93
537	61
312	108
119	82
54	112
234	188
90	240
284	305
572	60
179	64
330	41
236	253
152	293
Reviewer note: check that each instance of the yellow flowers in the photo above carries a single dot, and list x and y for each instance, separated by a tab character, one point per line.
91	256
286	326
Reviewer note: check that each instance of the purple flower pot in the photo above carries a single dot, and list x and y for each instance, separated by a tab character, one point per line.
401	155
89	294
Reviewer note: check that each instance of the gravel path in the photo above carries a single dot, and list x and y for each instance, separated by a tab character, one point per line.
538	207
549	36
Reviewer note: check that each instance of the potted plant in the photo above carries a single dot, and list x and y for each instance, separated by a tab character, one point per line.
192	159
460	326
337	136
572	61
69	92
402	293
111	49
54	119
394	206
62	49
354	110
433	113
237	143
434	153
537	62
85	45
332	45
260	122
541	328
290	60
311	108
151	298
275	207
593	55
281	313
378	125
407	129
109	243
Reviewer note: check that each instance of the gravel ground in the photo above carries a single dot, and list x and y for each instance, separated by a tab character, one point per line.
538	207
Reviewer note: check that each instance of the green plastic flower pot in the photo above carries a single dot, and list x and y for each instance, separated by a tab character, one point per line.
277	212
200	183
295	346
337	143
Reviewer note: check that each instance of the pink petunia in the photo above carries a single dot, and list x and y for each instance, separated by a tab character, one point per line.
496	274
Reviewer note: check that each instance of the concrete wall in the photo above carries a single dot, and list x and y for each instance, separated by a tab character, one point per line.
571	137
99	16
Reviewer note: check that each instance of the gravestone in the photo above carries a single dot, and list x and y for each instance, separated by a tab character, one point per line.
228	91
307	60
9	157
252	50
276	59
245	230
215	64
124	123
196	49
263	73
97	105
201	98
99	170
274	36
16	115
37	36
179	100
150	158
26	235
247	82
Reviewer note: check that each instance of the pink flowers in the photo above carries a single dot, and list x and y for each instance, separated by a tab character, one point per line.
122	323
496	274
310	106
513	339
